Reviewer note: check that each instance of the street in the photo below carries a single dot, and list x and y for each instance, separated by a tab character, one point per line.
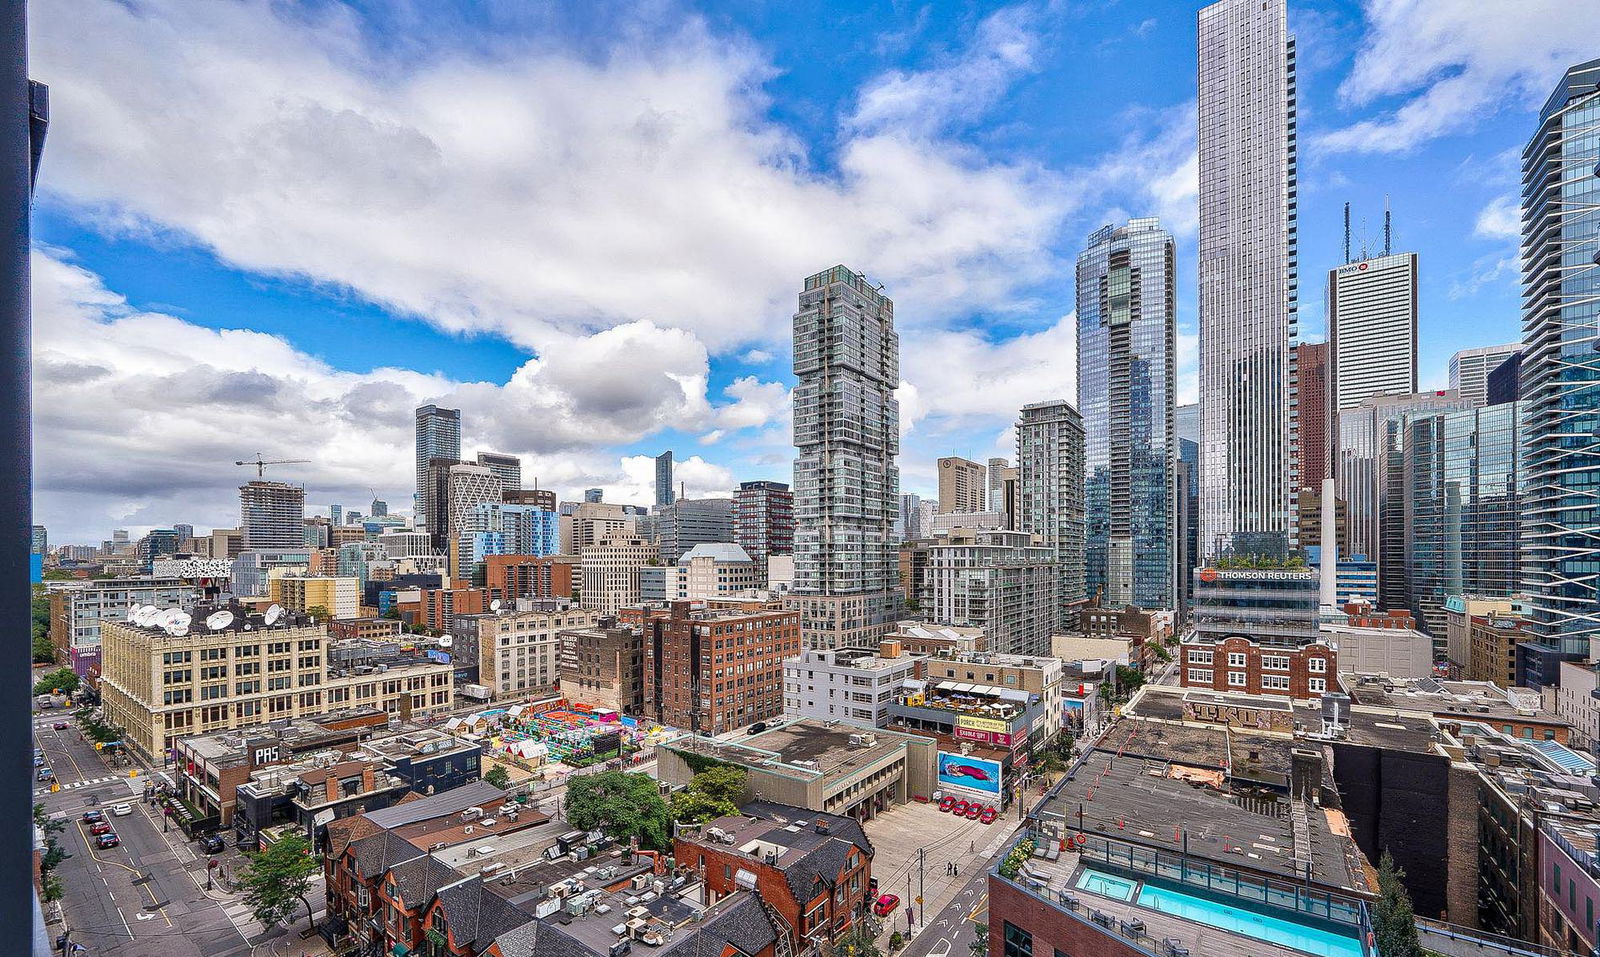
147	897
955	928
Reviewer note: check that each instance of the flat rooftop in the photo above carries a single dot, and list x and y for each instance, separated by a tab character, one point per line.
1465	699
806	747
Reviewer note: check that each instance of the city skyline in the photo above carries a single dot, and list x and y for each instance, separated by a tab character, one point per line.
110	300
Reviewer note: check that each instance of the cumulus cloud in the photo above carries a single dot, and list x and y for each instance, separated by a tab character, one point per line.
1501	219
962	376
1454	62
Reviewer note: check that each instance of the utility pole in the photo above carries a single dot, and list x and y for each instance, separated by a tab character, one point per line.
922	860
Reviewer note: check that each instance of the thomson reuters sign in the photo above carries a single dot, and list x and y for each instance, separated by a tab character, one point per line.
1256	574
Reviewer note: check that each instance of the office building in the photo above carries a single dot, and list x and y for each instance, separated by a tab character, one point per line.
665	494
909	524
1561	367
763	519
156	543
712	571
1505	381
712	670
78	608
1127	307
252	568
336	596
438	501
537	497
853	685
1050	492
962	485
1461	508
1372	329
335	515
506	468
1248	270
688	522
1314	463
593	522
603	666
158	686
438	437
1470	368
516	650
847	434
469	487
994	484
272	515
998	581
525	576
593	495
1273	606
609	572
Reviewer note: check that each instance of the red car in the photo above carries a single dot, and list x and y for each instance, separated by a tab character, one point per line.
988	815
885	905
947	802
973	810
60	726
961	808
100	827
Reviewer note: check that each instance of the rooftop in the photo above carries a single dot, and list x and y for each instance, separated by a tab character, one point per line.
717	552
801	748
1457	698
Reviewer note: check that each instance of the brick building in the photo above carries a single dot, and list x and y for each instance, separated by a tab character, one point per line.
604	666
374	629
1242	666
439	606
712	670
528	576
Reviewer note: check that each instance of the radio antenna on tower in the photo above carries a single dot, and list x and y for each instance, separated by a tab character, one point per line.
1386	232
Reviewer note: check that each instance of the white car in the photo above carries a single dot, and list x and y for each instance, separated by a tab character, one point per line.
122	810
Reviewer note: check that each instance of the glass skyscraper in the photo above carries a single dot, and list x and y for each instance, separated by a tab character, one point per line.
1050	493
1248	280
1560	374
1126	316
665	494
438	436
846	434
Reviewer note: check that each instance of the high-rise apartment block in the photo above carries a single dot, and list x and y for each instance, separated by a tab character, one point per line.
336	596
1248	270
688	522
1050	492
1127	308
998	581
1470	368
847	433
1561	366
438	436
438	501
506	468
1314	463
963	485
272	514
665	493
763	519
1372	331
469	487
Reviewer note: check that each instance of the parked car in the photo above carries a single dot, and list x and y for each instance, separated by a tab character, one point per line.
973	810
38	760
988	815
758	727
60	726
122	810
108	840
44	773
885	905
93	816
212	843
100	827
947	802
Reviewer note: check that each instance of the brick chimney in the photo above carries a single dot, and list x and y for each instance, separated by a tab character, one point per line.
331	787
369	780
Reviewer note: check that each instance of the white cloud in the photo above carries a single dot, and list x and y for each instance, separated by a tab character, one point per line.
756	357
962	376
1501	219
1455	62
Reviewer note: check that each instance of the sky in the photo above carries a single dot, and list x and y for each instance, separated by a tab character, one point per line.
279	227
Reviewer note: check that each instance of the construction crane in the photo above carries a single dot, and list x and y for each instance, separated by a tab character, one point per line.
261	464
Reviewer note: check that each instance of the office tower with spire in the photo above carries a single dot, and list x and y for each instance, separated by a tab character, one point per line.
846	435
1050	493
1372	323
1126	339
438	436
1560	372
1248	279
664	493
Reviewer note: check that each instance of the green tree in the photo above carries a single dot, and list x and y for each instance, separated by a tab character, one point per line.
712	793
980	944
857	942
279	877
622	804
1394	924
53	854
319	612
498	776
62	680
44	653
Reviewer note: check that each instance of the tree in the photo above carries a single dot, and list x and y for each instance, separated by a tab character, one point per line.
623	805
712	793
857	942
319	612
980	945
276	878
44	653
498	776
1394	924
61	680
53	854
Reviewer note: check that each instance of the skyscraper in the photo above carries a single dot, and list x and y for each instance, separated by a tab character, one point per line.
469	487
336	512
379	508
593	495
664	491
272	515
688	522
1470	368
1126	366
846	434
961	485
1050	492
438	436
1372	330
1311	371
1248	264
506	468
763	519
1560	373
995	484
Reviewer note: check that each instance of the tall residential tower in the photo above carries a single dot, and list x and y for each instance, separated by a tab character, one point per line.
1050	493
438	436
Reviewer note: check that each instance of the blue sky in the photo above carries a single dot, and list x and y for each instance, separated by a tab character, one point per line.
279	227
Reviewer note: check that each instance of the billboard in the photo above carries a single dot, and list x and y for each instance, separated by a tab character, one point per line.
969	774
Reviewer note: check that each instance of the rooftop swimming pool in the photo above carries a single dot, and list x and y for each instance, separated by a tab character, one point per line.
1237	920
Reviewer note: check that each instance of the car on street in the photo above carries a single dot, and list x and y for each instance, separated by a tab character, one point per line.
973	810
947	802
60	726
212	843
758	727
94	816
122	810
961	807
44	773
100	827
108	840
988	815
885	905
38	760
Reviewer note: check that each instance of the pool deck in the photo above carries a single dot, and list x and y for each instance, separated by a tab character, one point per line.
1201	939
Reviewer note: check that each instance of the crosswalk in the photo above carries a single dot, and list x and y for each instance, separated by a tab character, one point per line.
79	784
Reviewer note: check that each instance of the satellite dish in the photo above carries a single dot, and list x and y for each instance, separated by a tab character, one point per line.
494	605
171	616
177	625
144	615
218	620
273	614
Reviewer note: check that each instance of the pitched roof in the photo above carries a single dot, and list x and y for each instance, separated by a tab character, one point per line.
444	803
416	880
536	938
476	914
378	853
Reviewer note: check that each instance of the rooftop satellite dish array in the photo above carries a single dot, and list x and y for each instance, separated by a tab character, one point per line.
176	622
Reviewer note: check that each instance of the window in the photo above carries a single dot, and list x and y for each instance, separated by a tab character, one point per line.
1318	685
1236	679
1019	943
1199	657
1317	666
1200	676
1236	659
1274	682
1275	662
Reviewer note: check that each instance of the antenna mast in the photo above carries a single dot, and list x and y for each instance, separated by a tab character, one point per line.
1386	231
1346	232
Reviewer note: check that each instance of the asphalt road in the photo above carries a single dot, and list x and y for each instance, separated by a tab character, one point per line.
144	898
953	929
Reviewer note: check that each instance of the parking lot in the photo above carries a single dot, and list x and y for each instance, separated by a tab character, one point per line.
898	835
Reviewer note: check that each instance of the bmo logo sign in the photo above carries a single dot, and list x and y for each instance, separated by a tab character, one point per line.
1352	268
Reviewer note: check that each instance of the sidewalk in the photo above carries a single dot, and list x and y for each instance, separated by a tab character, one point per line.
967	845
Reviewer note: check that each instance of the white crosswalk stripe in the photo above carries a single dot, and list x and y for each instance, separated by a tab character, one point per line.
81	784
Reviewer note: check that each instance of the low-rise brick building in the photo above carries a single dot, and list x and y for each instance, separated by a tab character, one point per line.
1243	666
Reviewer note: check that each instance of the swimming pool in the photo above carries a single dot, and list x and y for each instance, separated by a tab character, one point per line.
1105	885
1273	930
